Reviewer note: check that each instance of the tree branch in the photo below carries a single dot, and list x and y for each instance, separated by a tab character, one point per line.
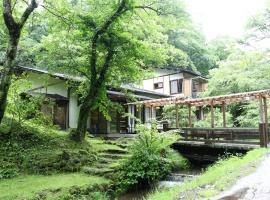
30	8
7	14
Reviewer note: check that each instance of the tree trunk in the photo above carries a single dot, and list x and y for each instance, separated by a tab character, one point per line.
80	132
6	75
85	109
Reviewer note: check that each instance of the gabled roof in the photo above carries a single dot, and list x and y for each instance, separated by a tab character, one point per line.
58	75
180	70
138	91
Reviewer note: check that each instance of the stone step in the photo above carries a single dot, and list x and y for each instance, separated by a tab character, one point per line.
97	171
116	151
112	156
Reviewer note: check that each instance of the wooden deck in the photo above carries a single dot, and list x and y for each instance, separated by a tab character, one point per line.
220	145
114	135
233	138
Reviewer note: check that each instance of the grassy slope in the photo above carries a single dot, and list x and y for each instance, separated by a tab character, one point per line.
46	159
215	179
27	186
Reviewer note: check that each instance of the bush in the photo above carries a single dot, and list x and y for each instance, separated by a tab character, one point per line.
151	159
7	170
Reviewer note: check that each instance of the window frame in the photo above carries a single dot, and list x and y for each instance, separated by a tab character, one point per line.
156	88
179	90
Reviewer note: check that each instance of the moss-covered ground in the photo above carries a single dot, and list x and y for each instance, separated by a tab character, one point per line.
43	163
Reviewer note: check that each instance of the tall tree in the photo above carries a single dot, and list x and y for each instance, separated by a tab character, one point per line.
105	36
14	27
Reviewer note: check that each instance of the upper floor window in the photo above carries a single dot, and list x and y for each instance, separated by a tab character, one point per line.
158	85
176	86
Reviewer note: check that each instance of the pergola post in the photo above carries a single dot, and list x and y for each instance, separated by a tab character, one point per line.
189	116
212	116
263	125
224	114
265	120
177	115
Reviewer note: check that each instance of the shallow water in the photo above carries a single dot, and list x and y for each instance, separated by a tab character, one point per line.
173	179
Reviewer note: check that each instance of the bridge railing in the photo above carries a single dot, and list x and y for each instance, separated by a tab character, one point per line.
223	135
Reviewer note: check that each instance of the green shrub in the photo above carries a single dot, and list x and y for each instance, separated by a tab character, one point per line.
8	173
151	159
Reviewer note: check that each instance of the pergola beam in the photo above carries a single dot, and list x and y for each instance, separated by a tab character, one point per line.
216	100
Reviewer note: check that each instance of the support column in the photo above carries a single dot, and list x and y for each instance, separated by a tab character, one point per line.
265	120
177	115
131	121
224	114
212	116
262	124
189	116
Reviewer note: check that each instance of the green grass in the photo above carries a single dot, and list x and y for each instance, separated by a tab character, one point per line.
28	186
215	179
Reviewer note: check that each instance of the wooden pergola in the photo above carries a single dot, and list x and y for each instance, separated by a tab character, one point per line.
223	100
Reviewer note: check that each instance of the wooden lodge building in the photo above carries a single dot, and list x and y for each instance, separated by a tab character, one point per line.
165	83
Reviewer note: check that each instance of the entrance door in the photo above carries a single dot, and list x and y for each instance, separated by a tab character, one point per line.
60	114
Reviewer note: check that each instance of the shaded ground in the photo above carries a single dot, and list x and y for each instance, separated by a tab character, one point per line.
255	186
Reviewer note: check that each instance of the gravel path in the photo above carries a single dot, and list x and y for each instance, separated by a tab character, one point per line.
255	186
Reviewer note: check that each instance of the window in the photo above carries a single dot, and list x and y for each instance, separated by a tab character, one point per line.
158	85
176	86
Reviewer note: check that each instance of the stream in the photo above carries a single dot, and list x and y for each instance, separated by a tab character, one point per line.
175	178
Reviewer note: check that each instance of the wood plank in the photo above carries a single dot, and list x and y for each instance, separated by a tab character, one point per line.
224	141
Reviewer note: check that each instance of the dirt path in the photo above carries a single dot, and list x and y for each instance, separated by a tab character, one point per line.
255	186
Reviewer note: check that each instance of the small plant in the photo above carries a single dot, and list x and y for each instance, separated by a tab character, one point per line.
151	159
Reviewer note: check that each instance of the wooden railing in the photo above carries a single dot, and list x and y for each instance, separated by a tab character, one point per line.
225	135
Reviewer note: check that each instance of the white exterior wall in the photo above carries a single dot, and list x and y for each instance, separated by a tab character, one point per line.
164	76
73	110
43	83
49	84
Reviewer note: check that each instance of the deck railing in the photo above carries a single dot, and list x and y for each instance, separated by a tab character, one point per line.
225	135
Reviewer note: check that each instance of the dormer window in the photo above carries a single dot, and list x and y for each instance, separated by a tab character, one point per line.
158	85
176	86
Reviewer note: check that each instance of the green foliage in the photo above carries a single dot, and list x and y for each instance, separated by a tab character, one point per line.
222	47
169	113
22	106
241	72
206	122
150	159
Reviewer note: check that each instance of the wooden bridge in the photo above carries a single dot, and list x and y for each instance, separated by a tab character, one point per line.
218	137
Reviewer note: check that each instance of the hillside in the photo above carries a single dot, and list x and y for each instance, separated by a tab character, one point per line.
42	163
